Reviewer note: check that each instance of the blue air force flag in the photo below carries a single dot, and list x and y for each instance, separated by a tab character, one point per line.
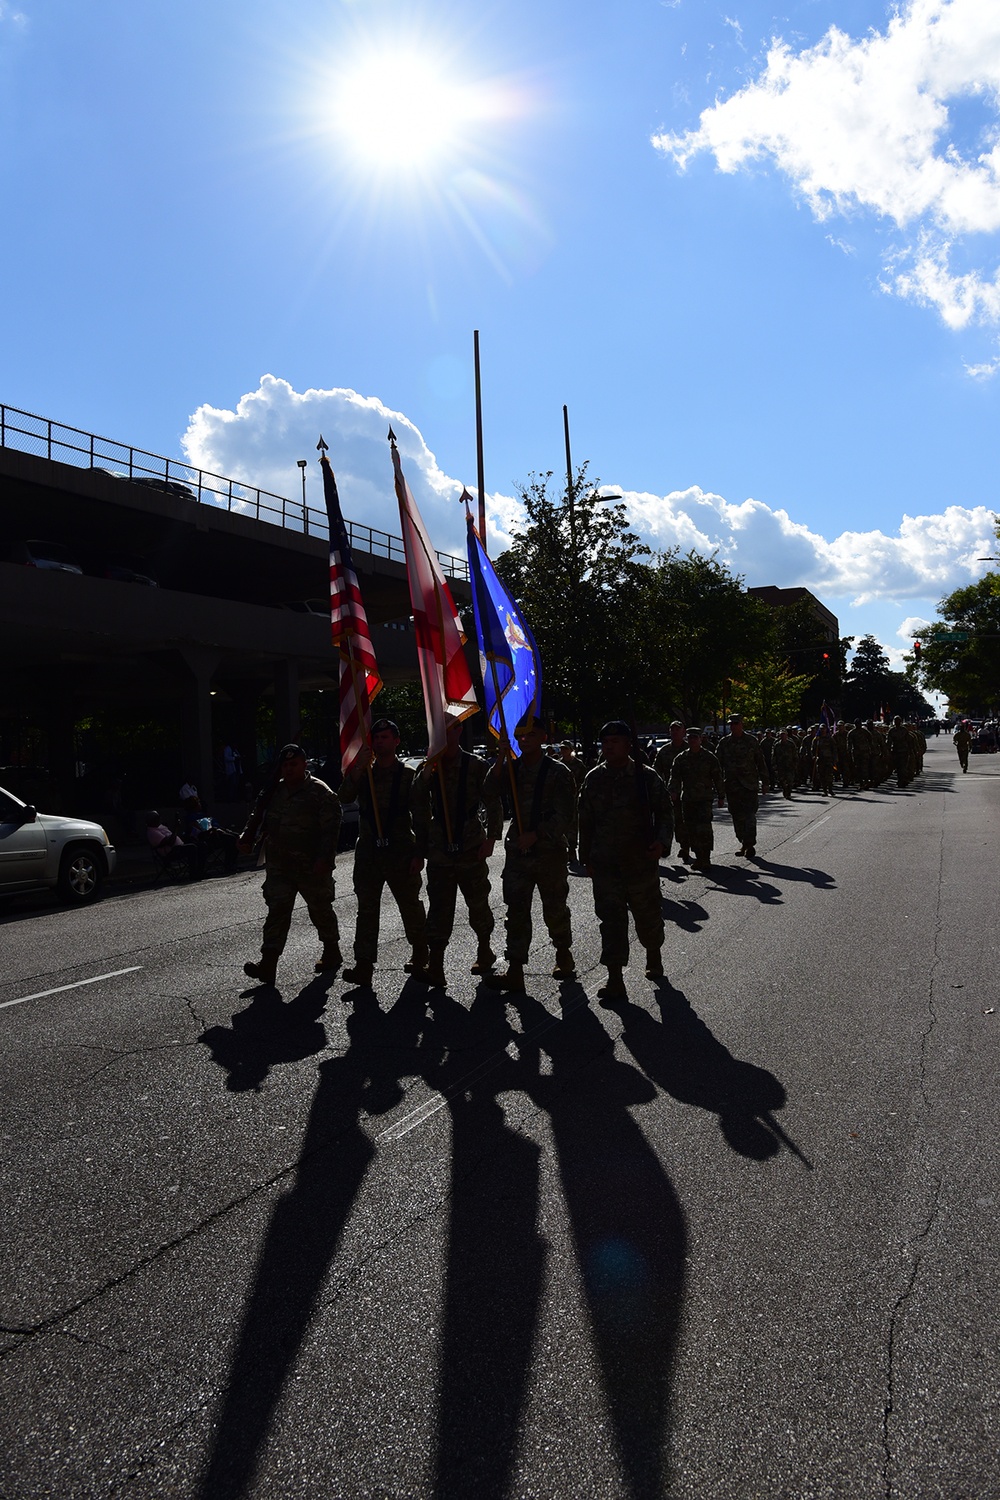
511	666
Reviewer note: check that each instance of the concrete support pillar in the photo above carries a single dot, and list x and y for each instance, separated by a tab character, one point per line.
286	702
58	717
196	719
245	696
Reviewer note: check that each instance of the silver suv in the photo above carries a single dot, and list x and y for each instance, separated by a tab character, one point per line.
70	855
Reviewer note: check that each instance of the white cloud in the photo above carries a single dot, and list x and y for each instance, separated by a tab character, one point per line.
866	124
273	426
985	371
912	627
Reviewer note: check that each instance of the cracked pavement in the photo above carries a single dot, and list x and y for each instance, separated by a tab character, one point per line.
735	1238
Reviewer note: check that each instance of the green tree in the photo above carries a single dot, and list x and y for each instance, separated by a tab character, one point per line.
696	629
967	672
573	568
767	693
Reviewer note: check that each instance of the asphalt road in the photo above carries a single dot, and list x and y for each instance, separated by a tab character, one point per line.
737	1238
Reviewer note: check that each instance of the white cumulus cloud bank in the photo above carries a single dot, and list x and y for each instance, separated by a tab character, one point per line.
866	124
272	427
926	557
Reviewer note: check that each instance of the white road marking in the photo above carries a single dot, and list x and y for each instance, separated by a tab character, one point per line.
78	985
818	824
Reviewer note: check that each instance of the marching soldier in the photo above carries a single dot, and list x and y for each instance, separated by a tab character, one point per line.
785	764
386	852
962	742
663	765
537	852
900	747
824	760
624	826
743	770
457	820
841	740
300	821
861	749
695	778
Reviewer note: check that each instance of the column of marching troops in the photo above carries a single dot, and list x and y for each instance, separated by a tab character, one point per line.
616	821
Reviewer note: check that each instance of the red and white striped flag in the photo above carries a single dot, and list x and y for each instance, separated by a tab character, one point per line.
444	671
359	674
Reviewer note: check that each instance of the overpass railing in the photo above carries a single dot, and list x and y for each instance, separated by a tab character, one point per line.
70	445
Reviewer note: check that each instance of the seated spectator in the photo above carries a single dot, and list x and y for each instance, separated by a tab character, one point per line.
172	848
206	834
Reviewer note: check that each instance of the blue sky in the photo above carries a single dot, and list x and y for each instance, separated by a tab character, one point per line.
755	252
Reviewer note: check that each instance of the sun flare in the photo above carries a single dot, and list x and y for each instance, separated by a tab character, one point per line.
400	111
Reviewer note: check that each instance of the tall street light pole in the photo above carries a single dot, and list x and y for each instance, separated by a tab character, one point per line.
302	462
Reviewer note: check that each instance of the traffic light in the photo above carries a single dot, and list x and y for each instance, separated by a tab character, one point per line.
916	650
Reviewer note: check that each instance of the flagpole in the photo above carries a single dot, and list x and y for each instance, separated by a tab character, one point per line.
357	701
446	810
481	473
477	580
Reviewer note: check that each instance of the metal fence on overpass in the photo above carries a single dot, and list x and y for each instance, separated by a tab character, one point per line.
29	433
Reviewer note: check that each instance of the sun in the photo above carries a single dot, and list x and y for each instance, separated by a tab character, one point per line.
400	111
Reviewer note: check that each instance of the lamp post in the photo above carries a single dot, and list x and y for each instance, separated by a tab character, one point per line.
302	463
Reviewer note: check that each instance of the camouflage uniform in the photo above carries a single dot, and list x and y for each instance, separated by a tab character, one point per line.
861	748
841	740
386	862
663	765
824	762
696	778
785	765
963	739
476	814
900	747
546	795
622	812
743	769
300	827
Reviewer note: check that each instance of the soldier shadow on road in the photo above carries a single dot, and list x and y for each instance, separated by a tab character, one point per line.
305	1229
819	878
690	916
682	1056
627	1225
267	1033
744	881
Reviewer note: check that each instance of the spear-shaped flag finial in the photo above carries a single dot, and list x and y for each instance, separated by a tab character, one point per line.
392	436
322	447
466	499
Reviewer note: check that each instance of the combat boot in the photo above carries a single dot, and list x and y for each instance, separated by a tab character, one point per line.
613	990
485	959
267	970
434	973
360	974
511	979
329	960
418	959
565	967
654	963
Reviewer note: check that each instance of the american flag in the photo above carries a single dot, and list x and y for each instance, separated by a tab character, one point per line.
359	674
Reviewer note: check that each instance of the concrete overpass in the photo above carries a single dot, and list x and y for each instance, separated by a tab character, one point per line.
214	638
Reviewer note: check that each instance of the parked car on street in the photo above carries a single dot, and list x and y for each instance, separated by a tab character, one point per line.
68	855
53	556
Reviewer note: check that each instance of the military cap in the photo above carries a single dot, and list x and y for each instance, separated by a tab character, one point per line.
381	724
694	733
736	718
529	723
615	726
289	752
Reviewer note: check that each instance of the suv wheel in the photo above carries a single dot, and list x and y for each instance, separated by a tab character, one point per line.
81	875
